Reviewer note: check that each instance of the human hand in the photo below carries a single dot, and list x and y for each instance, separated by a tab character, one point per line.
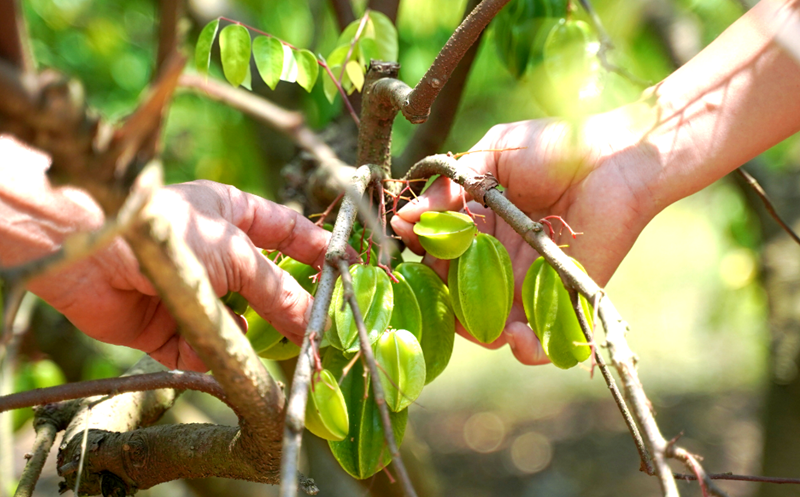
107	297
598	186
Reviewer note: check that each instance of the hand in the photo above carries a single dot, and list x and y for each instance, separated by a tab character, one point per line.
107	297
564	170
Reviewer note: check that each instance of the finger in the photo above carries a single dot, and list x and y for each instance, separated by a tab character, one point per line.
443	195
524	344
276	227
405	231
275	295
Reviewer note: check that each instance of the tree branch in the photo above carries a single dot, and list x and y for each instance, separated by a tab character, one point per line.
418	106
14	40
182	282
47	421
378	111
482	188
332	173
430	135
644	456
178	380
753	183
343	10
377	387
309	351
386	7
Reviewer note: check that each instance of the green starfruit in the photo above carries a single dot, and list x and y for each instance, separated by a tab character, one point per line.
482	288
406	314
373	291
445	235
363	452
551	316
326	410
438	321
402	368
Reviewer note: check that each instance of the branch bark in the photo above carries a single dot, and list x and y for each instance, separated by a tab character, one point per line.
14	40
430	135
178	380
309	351
418	106
182	282
482	190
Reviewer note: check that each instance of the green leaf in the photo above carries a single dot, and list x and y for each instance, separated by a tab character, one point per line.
268	53
355	73
248	79
234	45
289	71
336	57
367	50
385	36
307	69
202	52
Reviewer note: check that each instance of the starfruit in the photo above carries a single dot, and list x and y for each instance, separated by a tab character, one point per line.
373	291
445	235
326	410
438	321
265	339
402	368
482	288
551	316
235	302
363	452
406	314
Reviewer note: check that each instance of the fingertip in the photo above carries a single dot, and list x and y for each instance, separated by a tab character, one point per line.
524	344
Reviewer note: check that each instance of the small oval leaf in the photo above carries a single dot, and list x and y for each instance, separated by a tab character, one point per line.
307	69
289	71
268	53
202	52
385	36
356	74
234	46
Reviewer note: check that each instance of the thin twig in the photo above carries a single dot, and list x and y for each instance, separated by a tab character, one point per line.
377	387
644	456
754	184
45	437
179	380
296	407
706	485
732	477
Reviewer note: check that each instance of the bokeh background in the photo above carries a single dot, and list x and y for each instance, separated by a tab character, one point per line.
708	288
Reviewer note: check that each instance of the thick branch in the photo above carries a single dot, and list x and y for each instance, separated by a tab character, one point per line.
430	135
377	387
182	282
178	380
621	356
309	351
378	111
419	102
169	13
